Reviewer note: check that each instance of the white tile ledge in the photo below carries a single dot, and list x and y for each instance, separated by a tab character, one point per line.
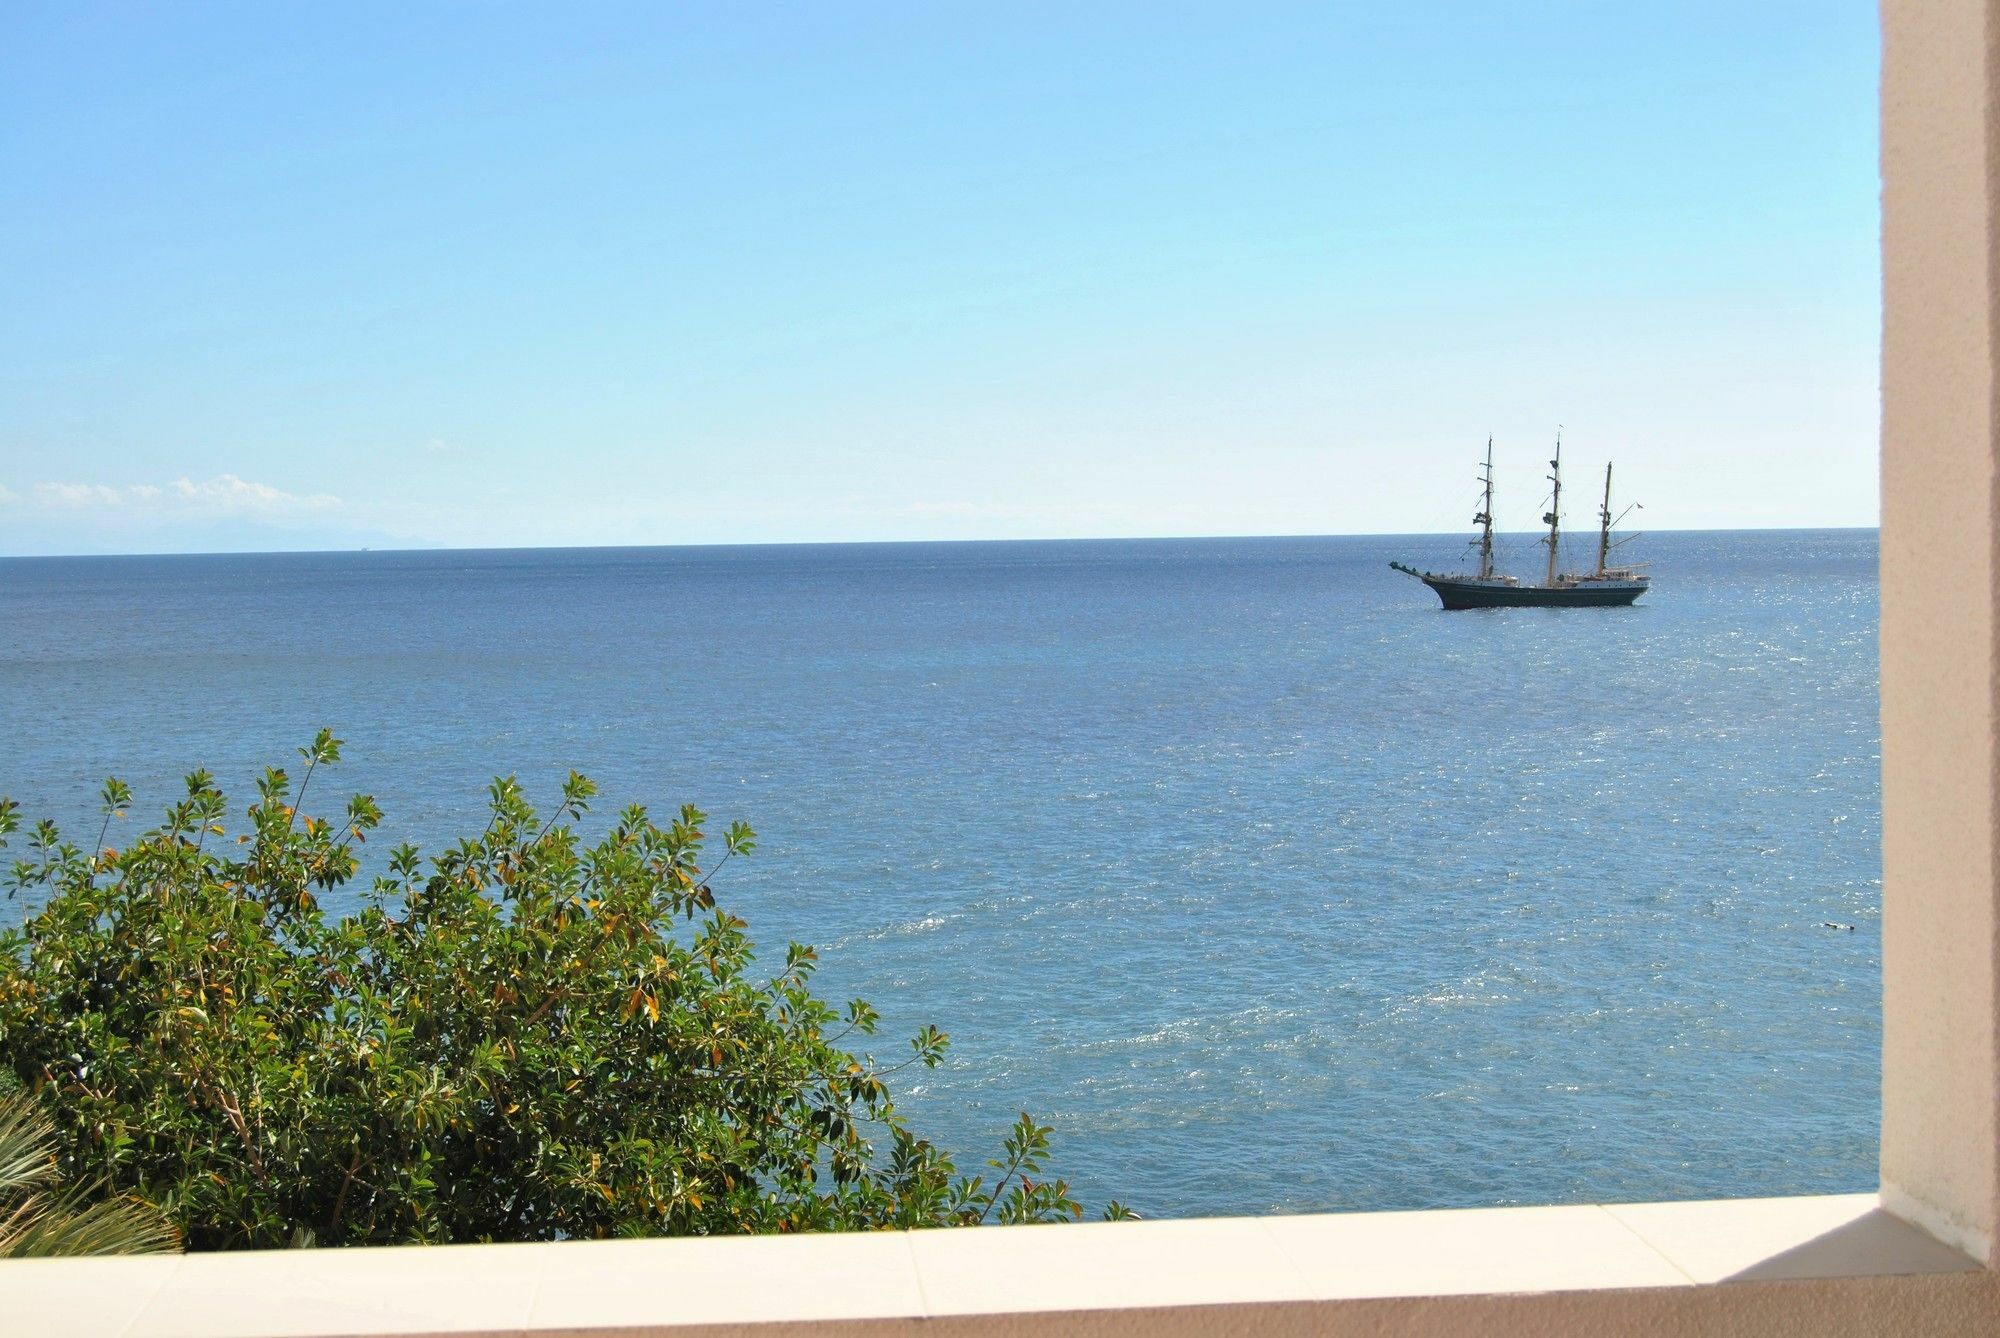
662	1284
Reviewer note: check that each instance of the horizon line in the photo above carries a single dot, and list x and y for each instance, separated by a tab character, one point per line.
885	543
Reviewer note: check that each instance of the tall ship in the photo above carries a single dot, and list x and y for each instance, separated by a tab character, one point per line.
1490	589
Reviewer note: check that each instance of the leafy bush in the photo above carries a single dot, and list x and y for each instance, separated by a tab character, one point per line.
521	1038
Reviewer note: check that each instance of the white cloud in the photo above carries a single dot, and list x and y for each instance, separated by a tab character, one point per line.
223	495
57	495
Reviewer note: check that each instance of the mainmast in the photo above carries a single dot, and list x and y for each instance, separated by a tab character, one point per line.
1554	517
1604	528
1485	518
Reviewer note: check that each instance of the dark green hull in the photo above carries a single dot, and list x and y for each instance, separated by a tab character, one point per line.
1471	593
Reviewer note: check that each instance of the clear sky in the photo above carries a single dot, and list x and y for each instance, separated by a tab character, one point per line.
401	274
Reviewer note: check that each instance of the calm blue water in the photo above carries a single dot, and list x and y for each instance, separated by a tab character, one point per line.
1268	884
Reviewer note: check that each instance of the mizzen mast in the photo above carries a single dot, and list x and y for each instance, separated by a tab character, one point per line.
1485	518
1554	517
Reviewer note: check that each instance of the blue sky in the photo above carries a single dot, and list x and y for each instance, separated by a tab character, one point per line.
517	274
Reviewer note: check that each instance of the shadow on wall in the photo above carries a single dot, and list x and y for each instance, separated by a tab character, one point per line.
1874	1244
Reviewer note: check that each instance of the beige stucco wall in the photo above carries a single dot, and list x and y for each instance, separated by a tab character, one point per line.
1941	935
1957	1306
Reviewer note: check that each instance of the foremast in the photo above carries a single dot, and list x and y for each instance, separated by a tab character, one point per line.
1553	517
1485	518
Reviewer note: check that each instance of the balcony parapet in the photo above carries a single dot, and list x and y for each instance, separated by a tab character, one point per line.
1417	1271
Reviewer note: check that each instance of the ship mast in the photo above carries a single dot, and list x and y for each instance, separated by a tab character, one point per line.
1604	529
1554	517
1485	518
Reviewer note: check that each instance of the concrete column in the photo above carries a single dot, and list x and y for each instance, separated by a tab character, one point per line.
1940	612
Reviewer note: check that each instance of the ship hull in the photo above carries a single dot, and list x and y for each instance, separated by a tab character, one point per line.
1494	595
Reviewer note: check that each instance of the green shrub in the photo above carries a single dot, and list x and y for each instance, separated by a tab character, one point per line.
520	1038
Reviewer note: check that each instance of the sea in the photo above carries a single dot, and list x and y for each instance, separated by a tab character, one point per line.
1266	883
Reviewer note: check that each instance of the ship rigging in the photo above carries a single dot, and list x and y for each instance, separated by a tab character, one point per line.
1604	585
